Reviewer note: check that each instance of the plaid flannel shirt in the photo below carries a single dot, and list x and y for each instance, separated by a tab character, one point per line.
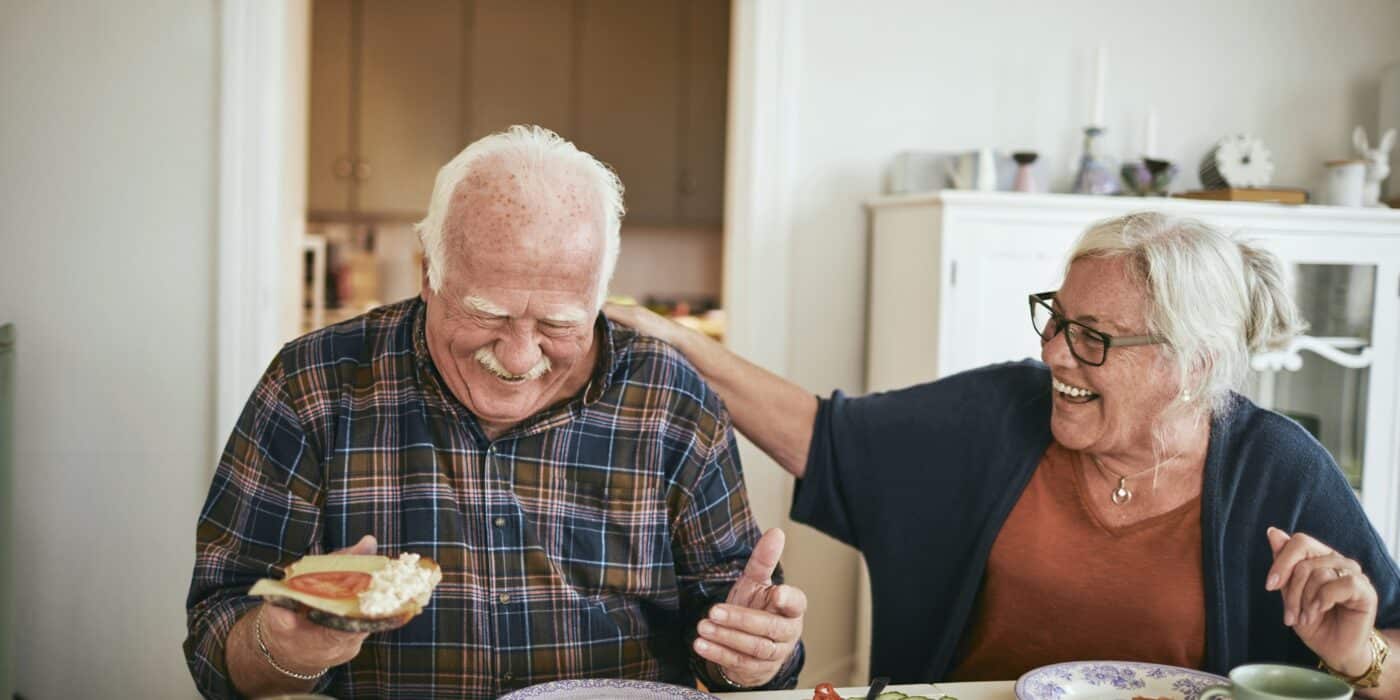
585	542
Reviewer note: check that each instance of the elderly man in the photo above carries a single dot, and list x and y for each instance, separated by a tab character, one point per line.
579	484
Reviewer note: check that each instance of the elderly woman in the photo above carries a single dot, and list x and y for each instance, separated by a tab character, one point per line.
1117	500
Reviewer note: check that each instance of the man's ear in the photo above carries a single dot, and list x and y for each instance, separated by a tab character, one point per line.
423	288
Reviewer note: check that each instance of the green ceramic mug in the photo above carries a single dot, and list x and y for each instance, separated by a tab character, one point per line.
1278	682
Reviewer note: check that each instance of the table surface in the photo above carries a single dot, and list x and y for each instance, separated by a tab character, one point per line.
990	690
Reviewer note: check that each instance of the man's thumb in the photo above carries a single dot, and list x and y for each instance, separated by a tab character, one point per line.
766	554
366	545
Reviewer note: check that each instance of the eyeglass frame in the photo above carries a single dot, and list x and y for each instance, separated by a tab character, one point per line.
1109	341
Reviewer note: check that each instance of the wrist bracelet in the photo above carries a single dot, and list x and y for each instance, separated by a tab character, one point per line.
267	655
1371	678
724	678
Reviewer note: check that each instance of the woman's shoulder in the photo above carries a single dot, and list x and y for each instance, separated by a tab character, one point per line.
1013	396
1255	428
1264	446
989	385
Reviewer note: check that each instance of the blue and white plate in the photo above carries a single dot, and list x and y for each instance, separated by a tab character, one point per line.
1113	680
606	689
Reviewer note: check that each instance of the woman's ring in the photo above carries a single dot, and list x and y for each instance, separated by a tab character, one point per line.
1340	572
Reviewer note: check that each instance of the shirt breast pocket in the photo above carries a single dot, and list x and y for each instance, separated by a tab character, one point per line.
616	535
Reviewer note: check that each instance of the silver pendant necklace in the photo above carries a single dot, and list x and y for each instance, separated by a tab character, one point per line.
1121	495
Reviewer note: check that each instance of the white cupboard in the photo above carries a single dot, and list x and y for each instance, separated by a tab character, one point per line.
950	272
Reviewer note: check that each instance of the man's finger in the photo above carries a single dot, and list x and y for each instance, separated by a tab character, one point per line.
788	601
764	560
366	545
756	622
753	645
729	659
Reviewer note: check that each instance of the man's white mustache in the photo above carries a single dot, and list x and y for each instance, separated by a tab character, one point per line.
487	357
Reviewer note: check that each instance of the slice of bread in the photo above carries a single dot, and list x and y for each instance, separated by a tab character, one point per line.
336	604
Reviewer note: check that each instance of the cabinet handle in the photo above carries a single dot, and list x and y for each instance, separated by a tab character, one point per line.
362	170
686	184
342	168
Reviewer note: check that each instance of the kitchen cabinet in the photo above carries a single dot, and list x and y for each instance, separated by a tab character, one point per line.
950	271
399	88
386	104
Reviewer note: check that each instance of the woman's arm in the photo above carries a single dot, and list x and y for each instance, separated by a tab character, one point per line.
774	413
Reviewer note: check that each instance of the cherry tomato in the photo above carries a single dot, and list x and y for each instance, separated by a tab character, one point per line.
826	691
331	584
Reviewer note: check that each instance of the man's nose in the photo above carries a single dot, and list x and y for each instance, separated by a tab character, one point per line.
519	351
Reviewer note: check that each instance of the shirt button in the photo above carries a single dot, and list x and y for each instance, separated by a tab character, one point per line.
499	521
508	676
504	597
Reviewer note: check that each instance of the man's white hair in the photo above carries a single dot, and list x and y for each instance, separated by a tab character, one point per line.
541	161
1215	299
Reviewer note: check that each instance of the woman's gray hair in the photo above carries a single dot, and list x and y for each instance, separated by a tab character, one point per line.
1215	299
540	159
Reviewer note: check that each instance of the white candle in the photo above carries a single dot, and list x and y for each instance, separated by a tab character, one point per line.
1100	72
1149	136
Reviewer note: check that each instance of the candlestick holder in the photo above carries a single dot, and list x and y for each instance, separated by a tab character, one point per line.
1149	177
1096	174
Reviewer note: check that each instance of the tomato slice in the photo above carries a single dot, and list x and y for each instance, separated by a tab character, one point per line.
331	584
826	691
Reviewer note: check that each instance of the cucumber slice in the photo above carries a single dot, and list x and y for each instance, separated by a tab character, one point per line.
891	695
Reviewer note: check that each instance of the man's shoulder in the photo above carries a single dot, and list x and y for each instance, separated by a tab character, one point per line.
353	343
649	367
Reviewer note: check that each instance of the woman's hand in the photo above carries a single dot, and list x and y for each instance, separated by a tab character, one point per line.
645	321
1327	600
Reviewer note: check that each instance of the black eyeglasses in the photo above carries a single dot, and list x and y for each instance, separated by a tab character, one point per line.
1088	345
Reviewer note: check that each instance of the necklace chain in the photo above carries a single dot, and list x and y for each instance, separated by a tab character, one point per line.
1121	495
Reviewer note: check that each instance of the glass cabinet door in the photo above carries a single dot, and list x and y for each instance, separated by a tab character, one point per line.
1323	380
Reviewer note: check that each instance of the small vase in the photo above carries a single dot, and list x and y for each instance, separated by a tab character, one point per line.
1096	174
1025	179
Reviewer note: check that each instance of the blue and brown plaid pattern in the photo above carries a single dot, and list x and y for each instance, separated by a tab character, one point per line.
585	542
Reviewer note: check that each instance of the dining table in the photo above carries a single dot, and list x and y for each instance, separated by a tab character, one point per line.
983	690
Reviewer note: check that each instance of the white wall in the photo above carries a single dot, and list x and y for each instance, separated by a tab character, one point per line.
107	212
901	74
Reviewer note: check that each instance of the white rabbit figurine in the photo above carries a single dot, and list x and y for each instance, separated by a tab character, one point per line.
1377	164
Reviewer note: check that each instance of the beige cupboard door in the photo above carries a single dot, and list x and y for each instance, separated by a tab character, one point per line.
705	104
520	66
330	150
628	98
410	101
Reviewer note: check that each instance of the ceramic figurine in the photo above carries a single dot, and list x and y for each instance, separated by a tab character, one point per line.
1377	164
1025	179
1096	174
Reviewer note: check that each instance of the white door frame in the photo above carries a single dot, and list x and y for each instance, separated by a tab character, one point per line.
264	69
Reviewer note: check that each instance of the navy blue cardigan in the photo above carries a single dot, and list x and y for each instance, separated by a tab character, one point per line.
920	481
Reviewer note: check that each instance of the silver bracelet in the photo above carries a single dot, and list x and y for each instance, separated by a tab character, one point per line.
267	655
724	677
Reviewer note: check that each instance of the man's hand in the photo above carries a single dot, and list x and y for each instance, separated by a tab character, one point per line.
754	632
296	643
1327	599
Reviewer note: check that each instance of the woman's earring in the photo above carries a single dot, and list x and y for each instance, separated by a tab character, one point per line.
1186	396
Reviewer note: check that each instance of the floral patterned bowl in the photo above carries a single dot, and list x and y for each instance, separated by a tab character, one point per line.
606	689
1113	680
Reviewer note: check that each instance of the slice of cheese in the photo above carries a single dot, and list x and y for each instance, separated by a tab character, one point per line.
344	607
